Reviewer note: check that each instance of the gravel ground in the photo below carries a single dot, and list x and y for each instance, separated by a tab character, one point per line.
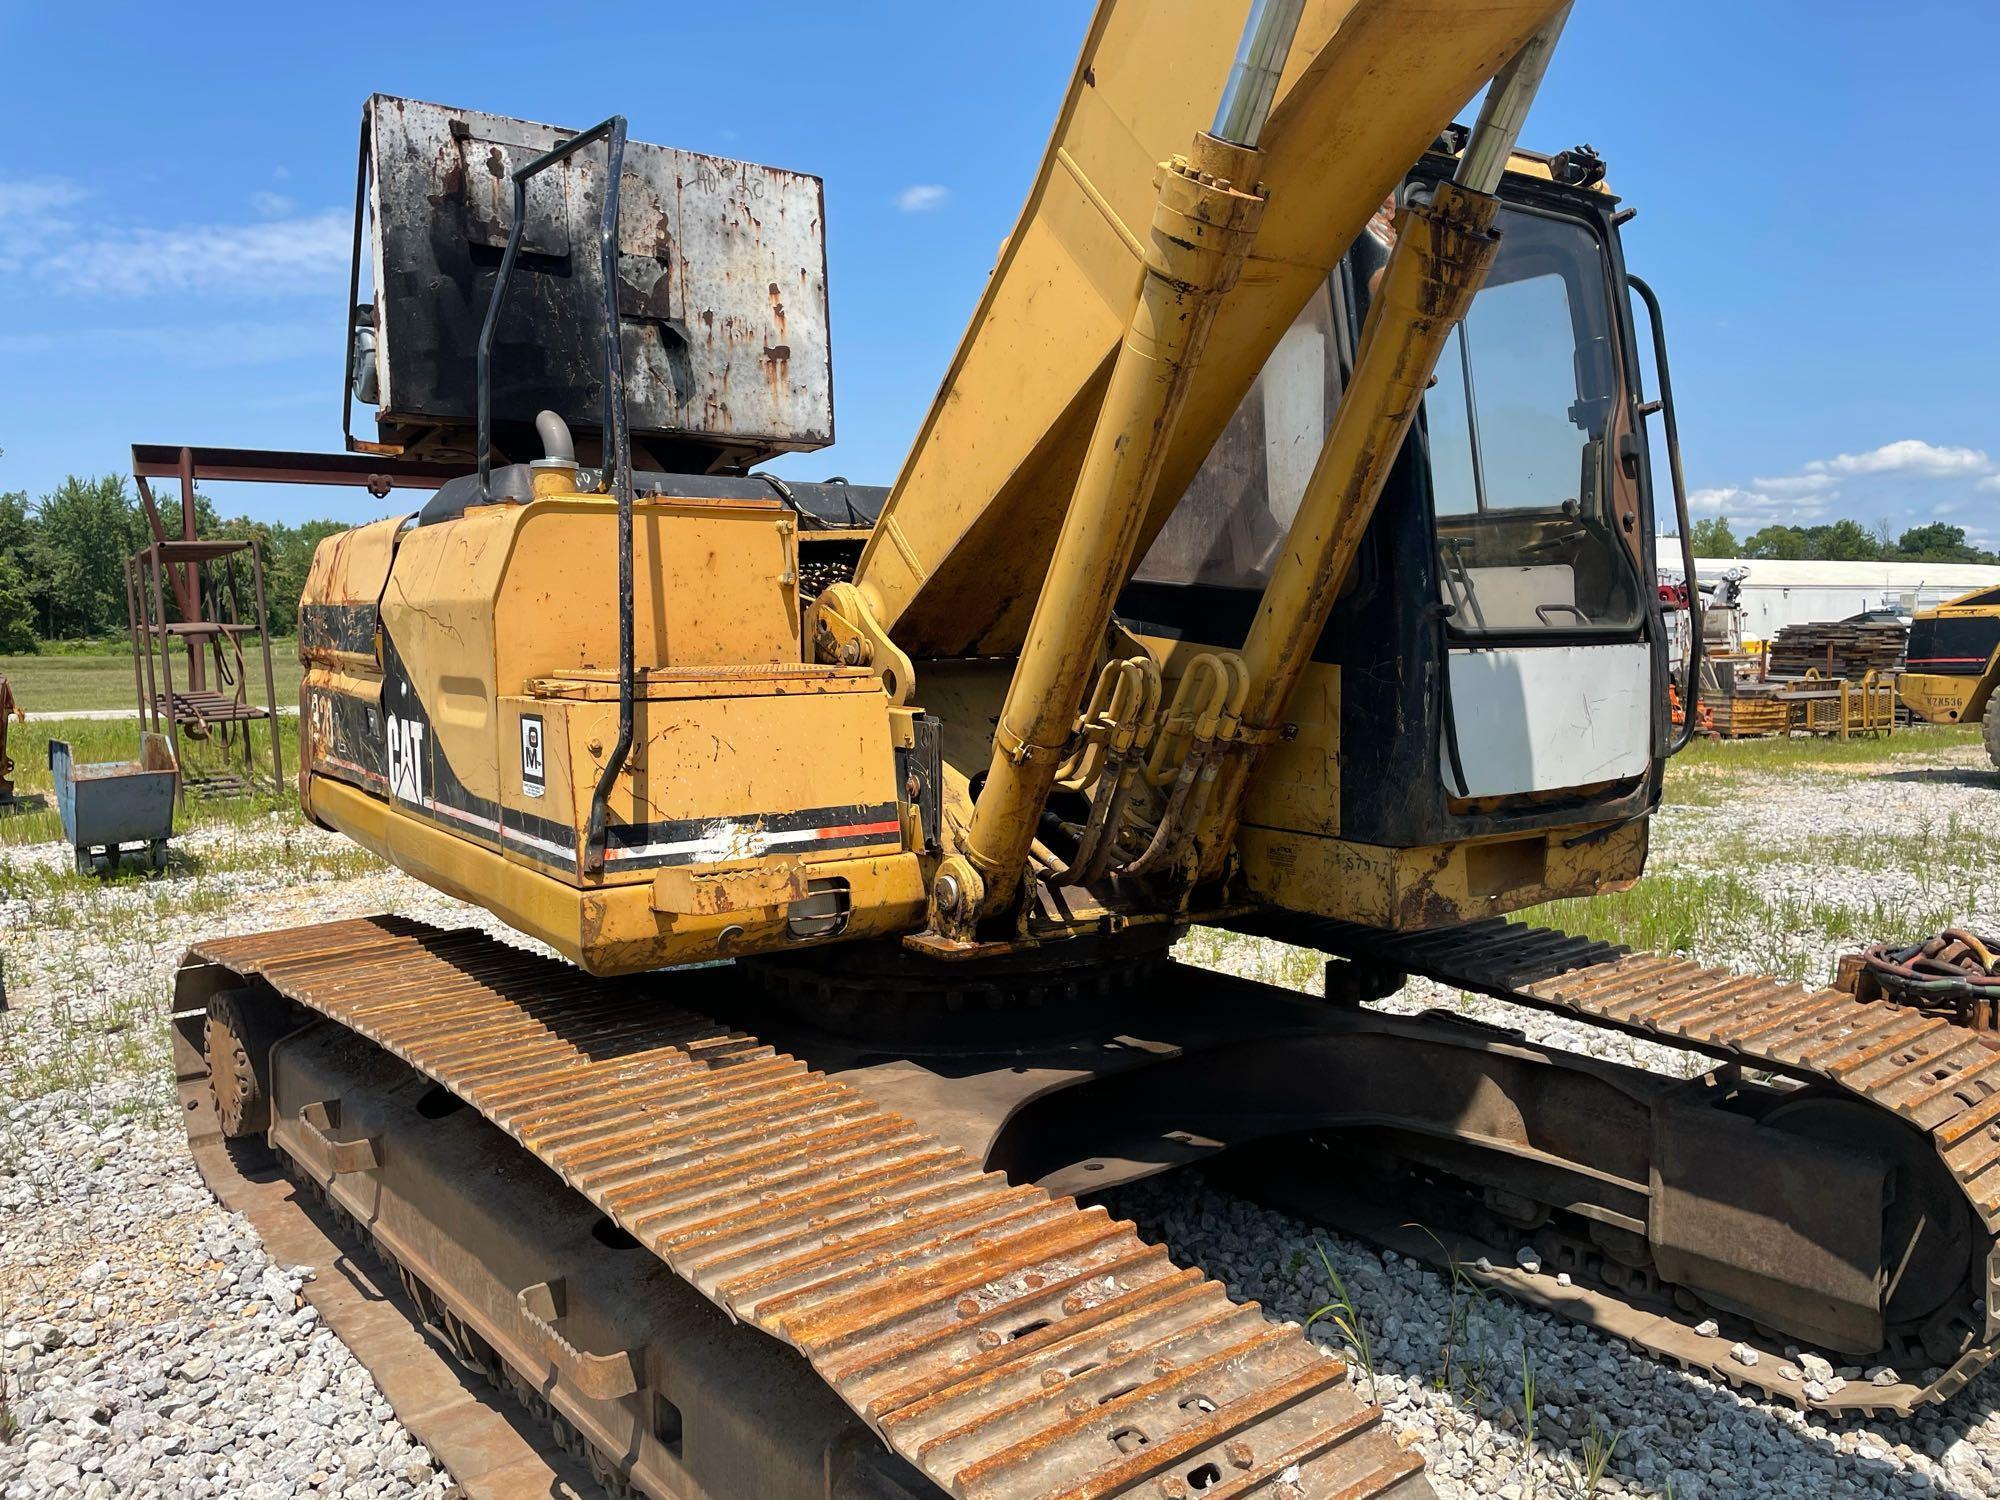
148	1346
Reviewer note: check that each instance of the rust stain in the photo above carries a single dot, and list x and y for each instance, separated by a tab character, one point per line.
776	364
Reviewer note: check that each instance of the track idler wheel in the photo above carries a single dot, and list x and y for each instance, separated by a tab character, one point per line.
236	1041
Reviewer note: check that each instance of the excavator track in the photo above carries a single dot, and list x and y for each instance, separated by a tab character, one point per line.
1941	1079
1003	1341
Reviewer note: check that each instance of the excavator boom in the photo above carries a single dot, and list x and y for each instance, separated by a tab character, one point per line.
960	552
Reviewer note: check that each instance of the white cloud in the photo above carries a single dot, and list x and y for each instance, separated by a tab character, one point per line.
1796	484
923	198
44	239
1906	456
1882	483
1762	503
1714	502
281	255
32	217
26	197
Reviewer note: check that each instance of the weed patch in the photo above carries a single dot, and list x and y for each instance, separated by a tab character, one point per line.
55	681
1346	1321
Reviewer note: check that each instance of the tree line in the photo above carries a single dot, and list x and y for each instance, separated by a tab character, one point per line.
1839	541
62	560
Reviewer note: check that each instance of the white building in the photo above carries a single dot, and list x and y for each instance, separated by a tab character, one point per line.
1777	594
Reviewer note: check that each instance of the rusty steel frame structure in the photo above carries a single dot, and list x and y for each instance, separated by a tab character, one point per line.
171	709
10	710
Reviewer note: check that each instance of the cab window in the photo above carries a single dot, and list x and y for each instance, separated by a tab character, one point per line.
1517	422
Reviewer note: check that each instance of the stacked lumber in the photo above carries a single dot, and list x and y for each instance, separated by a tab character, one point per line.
1839	649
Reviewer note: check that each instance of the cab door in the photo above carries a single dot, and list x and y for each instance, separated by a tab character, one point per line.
1549	664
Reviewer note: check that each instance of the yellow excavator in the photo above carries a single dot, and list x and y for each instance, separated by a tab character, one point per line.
1953	664
1277	555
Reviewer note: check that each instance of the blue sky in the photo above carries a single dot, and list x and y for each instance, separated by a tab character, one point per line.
1811	183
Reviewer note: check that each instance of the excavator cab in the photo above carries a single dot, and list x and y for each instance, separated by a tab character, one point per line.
1524	695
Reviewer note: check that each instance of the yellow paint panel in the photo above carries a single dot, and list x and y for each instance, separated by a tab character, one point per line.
481	606
347	573
1297	785
351	566
1438	886
713	584
736	759
438	611
1936	698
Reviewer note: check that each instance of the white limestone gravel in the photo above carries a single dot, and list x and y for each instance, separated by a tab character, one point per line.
149	1347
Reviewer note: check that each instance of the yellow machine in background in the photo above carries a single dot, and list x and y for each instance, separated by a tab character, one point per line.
1953	664
1277	554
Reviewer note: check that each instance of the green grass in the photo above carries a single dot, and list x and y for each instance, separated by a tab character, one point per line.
1726	909
1706	915
61	898
1671	911
272	838
1928	851
1782	754
1251	958
1712	773
75	681
1346	1321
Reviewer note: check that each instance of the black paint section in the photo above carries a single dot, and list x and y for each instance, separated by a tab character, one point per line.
1953	646
346	628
